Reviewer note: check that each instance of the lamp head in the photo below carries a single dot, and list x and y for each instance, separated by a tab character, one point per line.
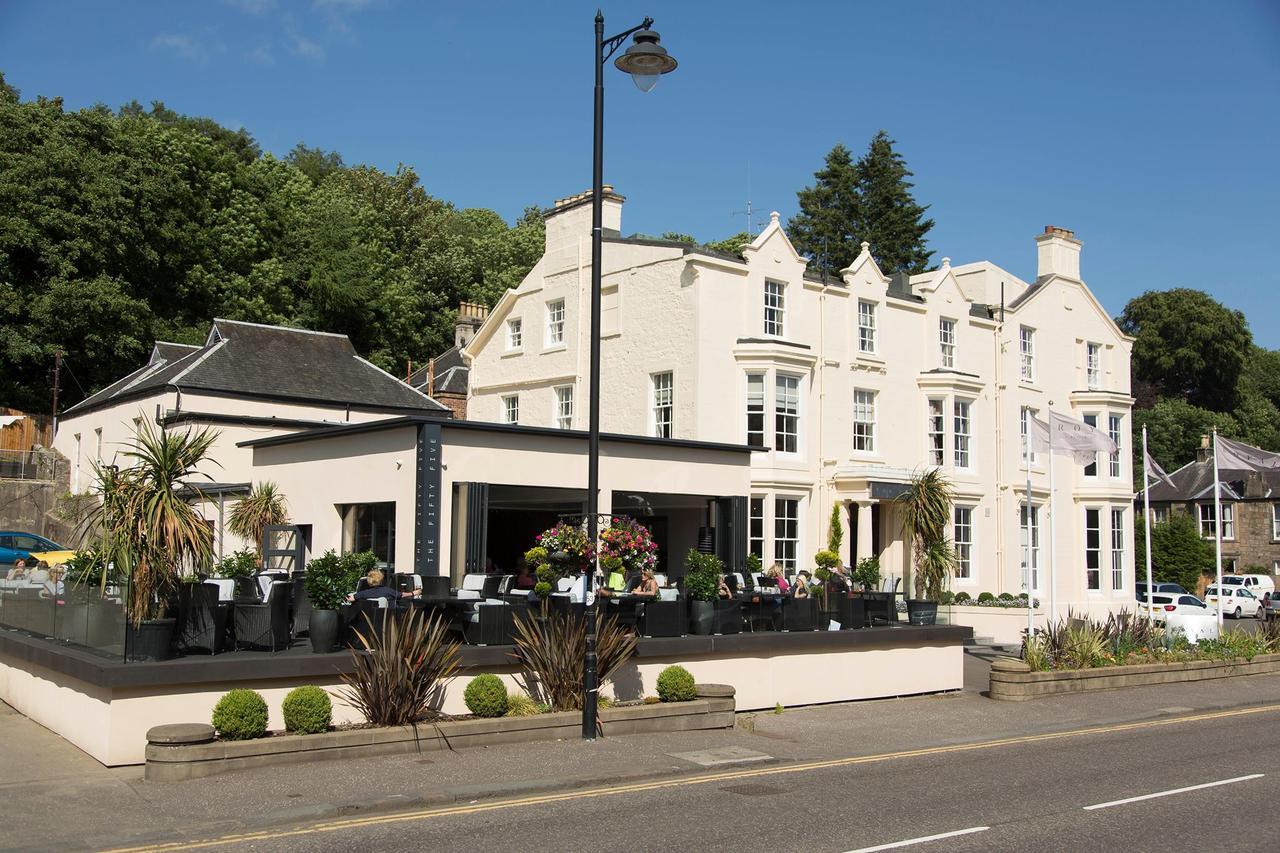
646	60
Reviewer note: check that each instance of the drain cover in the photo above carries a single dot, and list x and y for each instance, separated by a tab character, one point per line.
755	790
723	755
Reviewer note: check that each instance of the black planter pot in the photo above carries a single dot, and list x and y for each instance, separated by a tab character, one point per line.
921	611
702	617
799	614
323	631
152	640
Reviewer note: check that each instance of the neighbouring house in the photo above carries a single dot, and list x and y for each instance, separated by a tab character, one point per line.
445	378
247	381
846	385
1250	510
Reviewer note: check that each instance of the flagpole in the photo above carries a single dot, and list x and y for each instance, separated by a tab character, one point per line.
1217	526
1053	527
1146	522
1031	608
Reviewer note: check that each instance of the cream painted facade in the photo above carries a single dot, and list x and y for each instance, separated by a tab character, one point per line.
705	321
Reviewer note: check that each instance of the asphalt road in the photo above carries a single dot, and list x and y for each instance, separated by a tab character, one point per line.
1029	793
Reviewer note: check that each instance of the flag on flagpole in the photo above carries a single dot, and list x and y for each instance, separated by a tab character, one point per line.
1062	433
1234	456
1154	469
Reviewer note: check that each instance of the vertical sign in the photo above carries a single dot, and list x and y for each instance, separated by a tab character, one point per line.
426	546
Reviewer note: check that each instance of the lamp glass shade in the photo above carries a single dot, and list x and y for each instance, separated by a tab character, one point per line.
645	82
646	60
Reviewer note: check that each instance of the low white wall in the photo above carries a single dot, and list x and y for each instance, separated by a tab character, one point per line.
1003	625
111	725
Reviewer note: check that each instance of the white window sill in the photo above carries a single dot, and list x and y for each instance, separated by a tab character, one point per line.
1028	384
869	357
560	347
513	352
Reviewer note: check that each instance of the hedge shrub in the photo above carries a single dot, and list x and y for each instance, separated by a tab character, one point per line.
675	684
986	596
307	710
962	597
486	696
241	715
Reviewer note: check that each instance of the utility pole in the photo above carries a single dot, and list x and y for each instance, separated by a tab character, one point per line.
57	376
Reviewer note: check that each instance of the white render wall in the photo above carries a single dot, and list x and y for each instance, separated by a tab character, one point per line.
702	317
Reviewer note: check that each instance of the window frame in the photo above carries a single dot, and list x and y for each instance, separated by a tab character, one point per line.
936	431
1092	365
962	442
511	409
788	417
660	427
780	519
755	526
515	334
1090	471
1030	574
866	327
775	308
864	430
556	315
759	413
561	419
1117	549
964	547
1093	549
1275	521
1115	430
947	342
1029	454
1027	353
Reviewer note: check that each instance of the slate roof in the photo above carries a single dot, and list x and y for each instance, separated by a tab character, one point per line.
1029	292
252	360
1194	481
452	374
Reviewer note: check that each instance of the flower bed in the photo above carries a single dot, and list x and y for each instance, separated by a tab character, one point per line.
1013	681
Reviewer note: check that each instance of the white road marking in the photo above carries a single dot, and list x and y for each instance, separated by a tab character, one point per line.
921	840
1174	791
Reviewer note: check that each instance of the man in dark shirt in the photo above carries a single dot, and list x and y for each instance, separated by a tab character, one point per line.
377	588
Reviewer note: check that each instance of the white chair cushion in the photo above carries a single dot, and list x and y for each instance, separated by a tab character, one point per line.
661	579
564	584
469	594
473	582
226	588
668	594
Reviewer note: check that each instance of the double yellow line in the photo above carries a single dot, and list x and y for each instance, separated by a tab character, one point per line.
701	779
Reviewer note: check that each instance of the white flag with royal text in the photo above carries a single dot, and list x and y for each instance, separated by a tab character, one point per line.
1234	456
1064	434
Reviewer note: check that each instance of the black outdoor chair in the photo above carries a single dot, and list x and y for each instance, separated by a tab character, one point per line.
369	619
300	609
799	614
727	617
664	618
493	624
206	622
247	589
265	625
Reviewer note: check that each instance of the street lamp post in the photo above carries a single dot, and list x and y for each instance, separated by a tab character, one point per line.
645	61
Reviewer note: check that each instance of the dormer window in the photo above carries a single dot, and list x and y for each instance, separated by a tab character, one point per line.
947	342
1093	366
866	326
775	308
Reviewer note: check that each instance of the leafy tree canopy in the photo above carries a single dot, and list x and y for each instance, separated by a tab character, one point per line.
120	228
1186	345
1178	554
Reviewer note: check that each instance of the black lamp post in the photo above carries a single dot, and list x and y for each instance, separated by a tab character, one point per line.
645	61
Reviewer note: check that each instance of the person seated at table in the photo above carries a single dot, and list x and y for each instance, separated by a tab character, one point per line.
723	590
19	570
775	572
648	586
377	588
524	578
800	589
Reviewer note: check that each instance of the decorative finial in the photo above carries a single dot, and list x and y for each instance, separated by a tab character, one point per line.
773	217
866	247
946	262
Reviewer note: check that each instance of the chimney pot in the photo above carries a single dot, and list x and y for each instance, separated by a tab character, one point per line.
1058	253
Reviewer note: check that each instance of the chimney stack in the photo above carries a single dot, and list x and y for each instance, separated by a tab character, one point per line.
1058	253
570	219
471	317
1204	452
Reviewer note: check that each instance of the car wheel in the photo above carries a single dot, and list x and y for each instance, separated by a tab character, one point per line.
1237	612
1261	614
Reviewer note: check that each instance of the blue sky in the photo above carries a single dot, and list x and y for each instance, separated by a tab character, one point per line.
1151	129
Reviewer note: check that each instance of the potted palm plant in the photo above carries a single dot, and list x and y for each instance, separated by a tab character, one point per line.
263	506
150	533
926	513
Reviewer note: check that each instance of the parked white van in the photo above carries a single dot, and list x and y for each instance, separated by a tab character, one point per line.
1259	585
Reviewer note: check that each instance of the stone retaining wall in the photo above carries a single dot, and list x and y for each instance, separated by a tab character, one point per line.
1013	681
172	759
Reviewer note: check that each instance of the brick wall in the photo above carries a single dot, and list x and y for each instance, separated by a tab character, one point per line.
1252	544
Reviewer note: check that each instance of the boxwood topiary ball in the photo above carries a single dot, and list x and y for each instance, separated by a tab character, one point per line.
241	715
486	696
675	684
307	710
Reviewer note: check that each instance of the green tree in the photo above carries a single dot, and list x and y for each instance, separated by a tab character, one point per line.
730	245
1178	554
891	220
1186	345
1174	428
1261	374
315	163
828	226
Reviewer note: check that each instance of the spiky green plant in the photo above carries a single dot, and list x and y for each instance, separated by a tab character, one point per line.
551	649
398	674
925	506
935	561
263	506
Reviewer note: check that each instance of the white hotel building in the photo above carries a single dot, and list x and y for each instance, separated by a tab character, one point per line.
849	385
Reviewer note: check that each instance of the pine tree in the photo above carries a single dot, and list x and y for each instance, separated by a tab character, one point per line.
825	228
891	221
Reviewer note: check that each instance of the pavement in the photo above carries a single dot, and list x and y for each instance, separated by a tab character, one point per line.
58	798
